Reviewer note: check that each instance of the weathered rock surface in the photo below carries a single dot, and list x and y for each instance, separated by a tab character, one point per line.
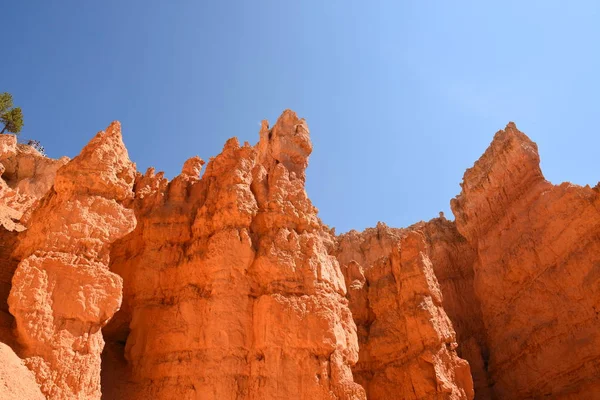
537	272
230	287
407	343
26	176
62	291
229	290
453	258
16	381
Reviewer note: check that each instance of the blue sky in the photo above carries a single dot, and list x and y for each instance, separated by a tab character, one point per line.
400	96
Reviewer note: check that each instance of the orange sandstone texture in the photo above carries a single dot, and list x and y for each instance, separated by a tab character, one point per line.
16	381
453	258
25	176
537	272
228	286
62	291
407	343
230	292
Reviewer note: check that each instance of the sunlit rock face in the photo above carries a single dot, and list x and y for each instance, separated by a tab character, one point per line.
62	291
229	288
226	285
25	177
406	339
537	272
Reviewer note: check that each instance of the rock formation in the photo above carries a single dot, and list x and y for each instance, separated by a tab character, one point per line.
26	176
407	343
62	291
229	289
16	381
537	272
452	258
228	286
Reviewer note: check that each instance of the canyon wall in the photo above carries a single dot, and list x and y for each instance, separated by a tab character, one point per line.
230	292
407	342
26	176
226	285
62	291
537	272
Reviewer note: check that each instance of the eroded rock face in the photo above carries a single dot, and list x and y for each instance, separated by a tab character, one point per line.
453	259
25	176
407	343
536	272
16	381
229	290
230	287
62	291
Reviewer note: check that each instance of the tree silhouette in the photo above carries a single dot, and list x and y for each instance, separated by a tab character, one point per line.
12	118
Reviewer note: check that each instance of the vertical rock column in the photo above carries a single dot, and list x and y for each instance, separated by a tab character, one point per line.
408	345
186	288
62	292
230	291
453	259
430	365
25	177
304	338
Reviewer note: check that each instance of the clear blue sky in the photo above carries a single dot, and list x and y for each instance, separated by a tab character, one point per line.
400	96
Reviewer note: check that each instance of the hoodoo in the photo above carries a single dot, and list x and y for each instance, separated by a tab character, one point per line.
226	285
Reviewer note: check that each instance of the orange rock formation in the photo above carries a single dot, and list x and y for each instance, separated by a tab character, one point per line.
537	272
407	343
229	289
228	286
62	291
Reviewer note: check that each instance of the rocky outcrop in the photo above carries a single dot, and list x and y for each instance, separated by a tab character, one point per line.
62	292
25	176
228	286
453	258
229	290
407	343
536	272
16	381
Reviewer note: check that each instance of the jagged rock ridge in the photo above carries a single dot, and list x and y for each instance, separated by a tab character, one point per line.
230	287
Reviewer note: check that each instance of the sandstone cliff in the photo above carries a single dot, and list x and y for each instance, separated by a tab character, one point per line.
537	272
16	381
228	286
229	290
62	292
407	343
25	177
